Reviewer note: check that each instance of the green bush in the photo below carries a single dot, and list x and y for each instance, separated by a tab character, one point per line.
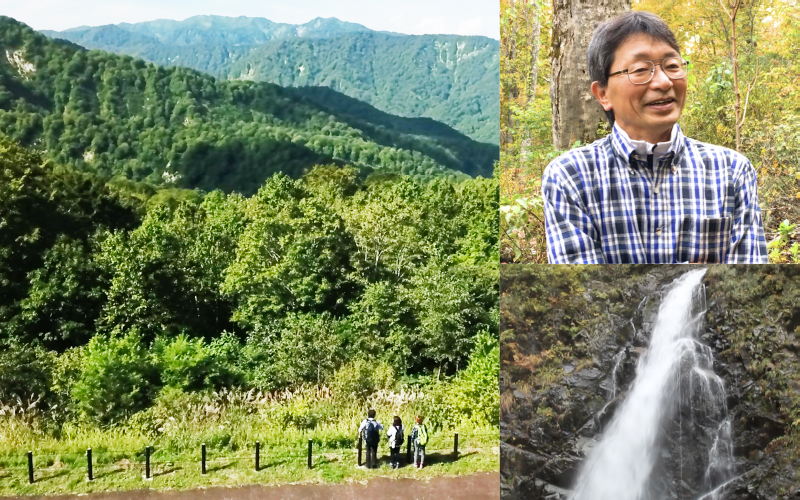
117	378
360	378
192	365
26	373
471	398
66	373
183	363
300	348
475	394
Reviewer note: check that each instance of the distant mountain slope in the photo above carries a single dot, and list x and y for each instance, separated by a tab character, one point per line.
451	78
221	30
121	116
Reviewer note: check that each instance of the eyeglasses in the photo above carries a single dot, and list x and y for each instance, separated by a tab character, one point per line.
642	72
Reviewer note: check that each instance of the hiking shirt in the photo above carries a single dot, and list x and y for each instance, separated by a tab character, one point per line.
391	433
605	203
363	426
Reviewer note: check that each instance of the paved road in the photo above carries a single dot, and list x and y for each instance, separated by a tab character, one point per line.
484	486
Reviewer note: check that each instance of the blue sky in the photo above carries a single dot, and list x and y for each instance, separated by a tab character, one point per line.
414	17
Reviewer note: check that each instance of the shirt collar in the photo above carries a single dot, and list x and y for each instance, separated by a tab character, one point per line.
624	146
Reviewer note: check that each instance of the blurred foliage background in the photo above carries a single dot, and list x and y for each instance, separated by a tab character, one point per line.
768	39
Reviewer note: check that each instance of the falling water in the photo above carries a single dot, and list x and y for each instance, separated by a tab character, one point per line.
675	402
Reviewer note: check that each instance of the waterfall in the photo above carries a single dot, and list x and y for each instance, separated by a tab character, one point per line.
671	436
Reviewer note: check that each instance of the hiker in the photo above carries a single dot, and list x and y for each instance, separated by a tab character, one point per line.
370	430
395	437
419	436
646	193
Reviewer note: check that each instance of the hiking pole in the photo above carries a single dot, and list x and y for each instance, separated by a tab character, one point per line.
30	467
258	447
309	454
408	451
89	463
203	454
360	444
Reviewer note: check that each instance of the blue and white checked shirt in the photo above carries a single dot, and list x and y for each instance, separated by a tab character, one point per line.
604	204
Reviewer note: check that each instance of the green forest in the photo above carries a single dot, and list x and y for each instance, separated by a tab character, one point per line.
124	306
284	287
185	260
115	115
757	112
449	78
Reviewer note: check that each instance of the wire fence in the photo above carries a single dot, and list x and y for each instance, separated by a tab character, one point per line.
153	462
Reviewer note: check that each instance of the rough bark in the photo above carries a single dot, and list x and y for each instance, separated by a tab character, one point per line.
576	113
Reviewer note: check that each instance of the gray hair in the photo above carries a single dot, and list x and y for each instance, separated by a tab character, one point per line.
608	36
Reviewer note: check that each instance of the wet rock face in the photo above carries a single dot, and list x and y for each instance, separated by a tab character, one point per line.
547	433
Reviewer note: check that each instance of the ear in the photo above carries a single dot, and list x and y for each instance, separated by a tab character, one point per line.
601	94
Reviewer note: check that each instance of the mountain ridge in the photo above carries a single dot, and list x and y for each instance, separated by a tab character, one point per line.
405	75
117	115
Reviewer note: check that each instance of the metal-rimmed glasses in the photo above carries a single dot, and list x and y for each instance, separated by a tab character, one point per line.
641	72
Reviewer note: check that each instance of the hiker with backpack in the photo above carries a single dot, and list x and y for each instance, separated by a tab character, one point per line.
396	438
419	436
370	430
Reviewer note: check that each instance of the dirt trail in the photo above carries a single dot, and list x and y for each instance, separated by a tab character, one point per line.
484	486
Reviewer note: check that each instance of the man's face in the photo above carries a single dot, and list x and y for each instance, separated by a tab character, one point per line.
633	106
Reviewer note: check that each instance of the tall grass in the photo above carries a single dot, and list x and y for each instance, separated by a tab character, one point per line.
227	421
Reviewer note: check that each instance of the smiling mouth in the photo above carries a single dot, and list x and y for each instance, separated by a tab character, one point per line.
661	102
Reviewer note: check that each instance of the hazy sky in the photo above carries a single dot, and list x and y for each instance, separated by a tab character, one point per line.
413	17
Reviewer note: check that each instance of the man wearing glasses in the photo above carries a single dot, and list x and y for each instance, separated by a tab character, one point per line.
646	193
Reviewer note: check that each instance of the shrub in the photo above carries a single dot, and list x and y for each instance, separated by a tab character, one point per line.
300	348
116	379
66	373
25	373
473	396
360	378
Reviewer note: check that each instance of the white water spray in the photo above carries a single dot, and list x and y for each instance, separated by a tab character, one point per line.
675	375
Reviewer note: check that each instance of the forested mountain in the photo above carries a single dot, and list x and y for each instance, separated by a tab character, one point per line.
221	30
116	115
450	78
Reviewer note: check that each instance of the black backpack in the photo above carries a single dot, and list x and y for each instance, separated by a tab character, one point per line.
398	437
371	434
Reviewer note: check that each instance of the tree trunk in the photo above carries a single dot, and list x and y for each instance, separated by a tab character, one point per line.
576	113
519	46
509	48
535	27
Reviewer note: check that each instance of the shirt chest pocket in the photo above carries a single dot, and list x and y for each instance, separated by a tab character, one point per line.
704	240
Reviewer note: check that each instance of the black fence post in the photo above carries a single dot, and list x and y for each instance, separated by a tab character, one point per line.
360	445
310	444
30	467
455	447
258	449
203	455
89	463
147	462
408	451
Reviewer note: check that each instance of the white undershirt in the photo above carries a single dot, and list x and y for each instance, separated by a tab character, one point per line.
644	148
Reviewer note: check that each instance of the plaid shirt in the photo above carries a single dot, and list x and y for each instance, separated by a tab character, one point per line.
604	204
